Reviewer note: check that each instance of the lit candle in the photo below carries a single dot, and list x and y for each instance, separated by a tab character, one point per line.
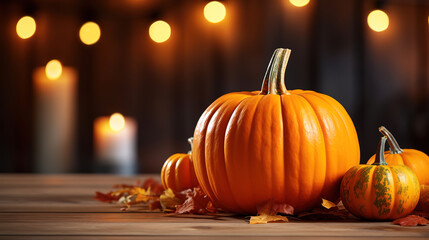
55	95
115	144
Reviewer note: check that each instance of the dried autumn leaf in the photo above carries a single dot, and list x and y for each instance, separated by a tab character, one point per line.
211	208
106	197
262	219
155	187
196	202
268	213
143	195
411	220
283	208
420	213
129	195
329	210
168	200
328	204
340	206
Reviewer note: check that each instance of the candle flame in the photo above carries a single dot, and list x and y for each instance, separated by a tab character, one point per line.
159	31
90	33
378	20
117	122
26	27
53	69
299	3
214	12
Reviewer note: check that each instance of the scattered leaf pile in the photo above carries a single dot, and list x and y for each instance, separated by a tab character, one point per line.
152	194
147	192
154	197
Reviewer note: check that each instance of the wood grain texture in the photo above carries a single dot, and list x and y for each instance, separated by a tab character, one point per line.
61	206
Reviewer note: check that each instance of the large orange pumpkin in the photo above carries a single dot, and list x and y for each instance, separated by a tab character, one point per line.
380	191
178	172
416	160
288	146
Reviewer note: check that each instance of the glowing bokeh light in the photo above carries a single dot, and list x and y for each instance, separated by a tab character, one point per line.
89	33
159	31
299	3
53	69
26	27
378	20
117	122
214	12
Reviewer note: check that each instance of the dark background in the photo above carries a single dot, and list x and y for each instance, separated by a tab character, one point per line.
380	78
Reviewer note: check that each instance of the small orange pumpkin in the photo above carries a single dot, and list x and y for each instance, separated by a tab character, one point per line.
178	172
380	191
416	160
289	146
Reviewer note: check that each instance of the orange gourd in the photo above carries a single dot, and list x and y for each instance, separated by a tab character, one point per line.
380	191
290	146
178	172
416	160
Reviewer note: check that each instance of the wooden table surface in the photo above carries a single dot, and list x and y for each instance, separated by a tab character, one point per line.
61	207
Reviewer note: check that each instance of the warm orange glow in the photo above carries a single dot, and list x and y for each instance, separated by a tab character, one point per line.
378	20
117	122
159	31
214	12
53	69
26	27
89	33
299	3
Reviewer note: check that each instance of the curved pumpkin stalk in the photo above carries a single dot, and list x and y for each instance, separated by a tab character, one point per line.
394	146
190	141
379	156
274	79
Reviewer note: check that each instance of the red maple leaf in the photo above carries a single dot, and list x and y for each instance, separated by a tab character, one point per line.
411	220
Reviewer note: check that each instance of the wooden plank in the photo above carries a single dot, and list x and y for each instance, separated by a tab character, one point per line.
153	224
123	217
104	237
61	206
59	193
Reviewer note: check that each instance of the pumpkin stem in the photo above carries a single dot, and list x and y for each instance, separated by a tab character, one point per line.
379	156
393	144
274	79
190	143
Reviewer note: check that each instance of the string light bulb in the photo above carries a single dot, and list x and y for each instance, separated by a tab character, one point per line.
378	20
53	69
214	11
89	33
117	122
26	27
160	31
299	3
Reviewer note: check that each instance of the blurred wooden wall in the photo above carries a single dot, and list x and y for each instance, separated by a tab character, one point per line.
380	78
